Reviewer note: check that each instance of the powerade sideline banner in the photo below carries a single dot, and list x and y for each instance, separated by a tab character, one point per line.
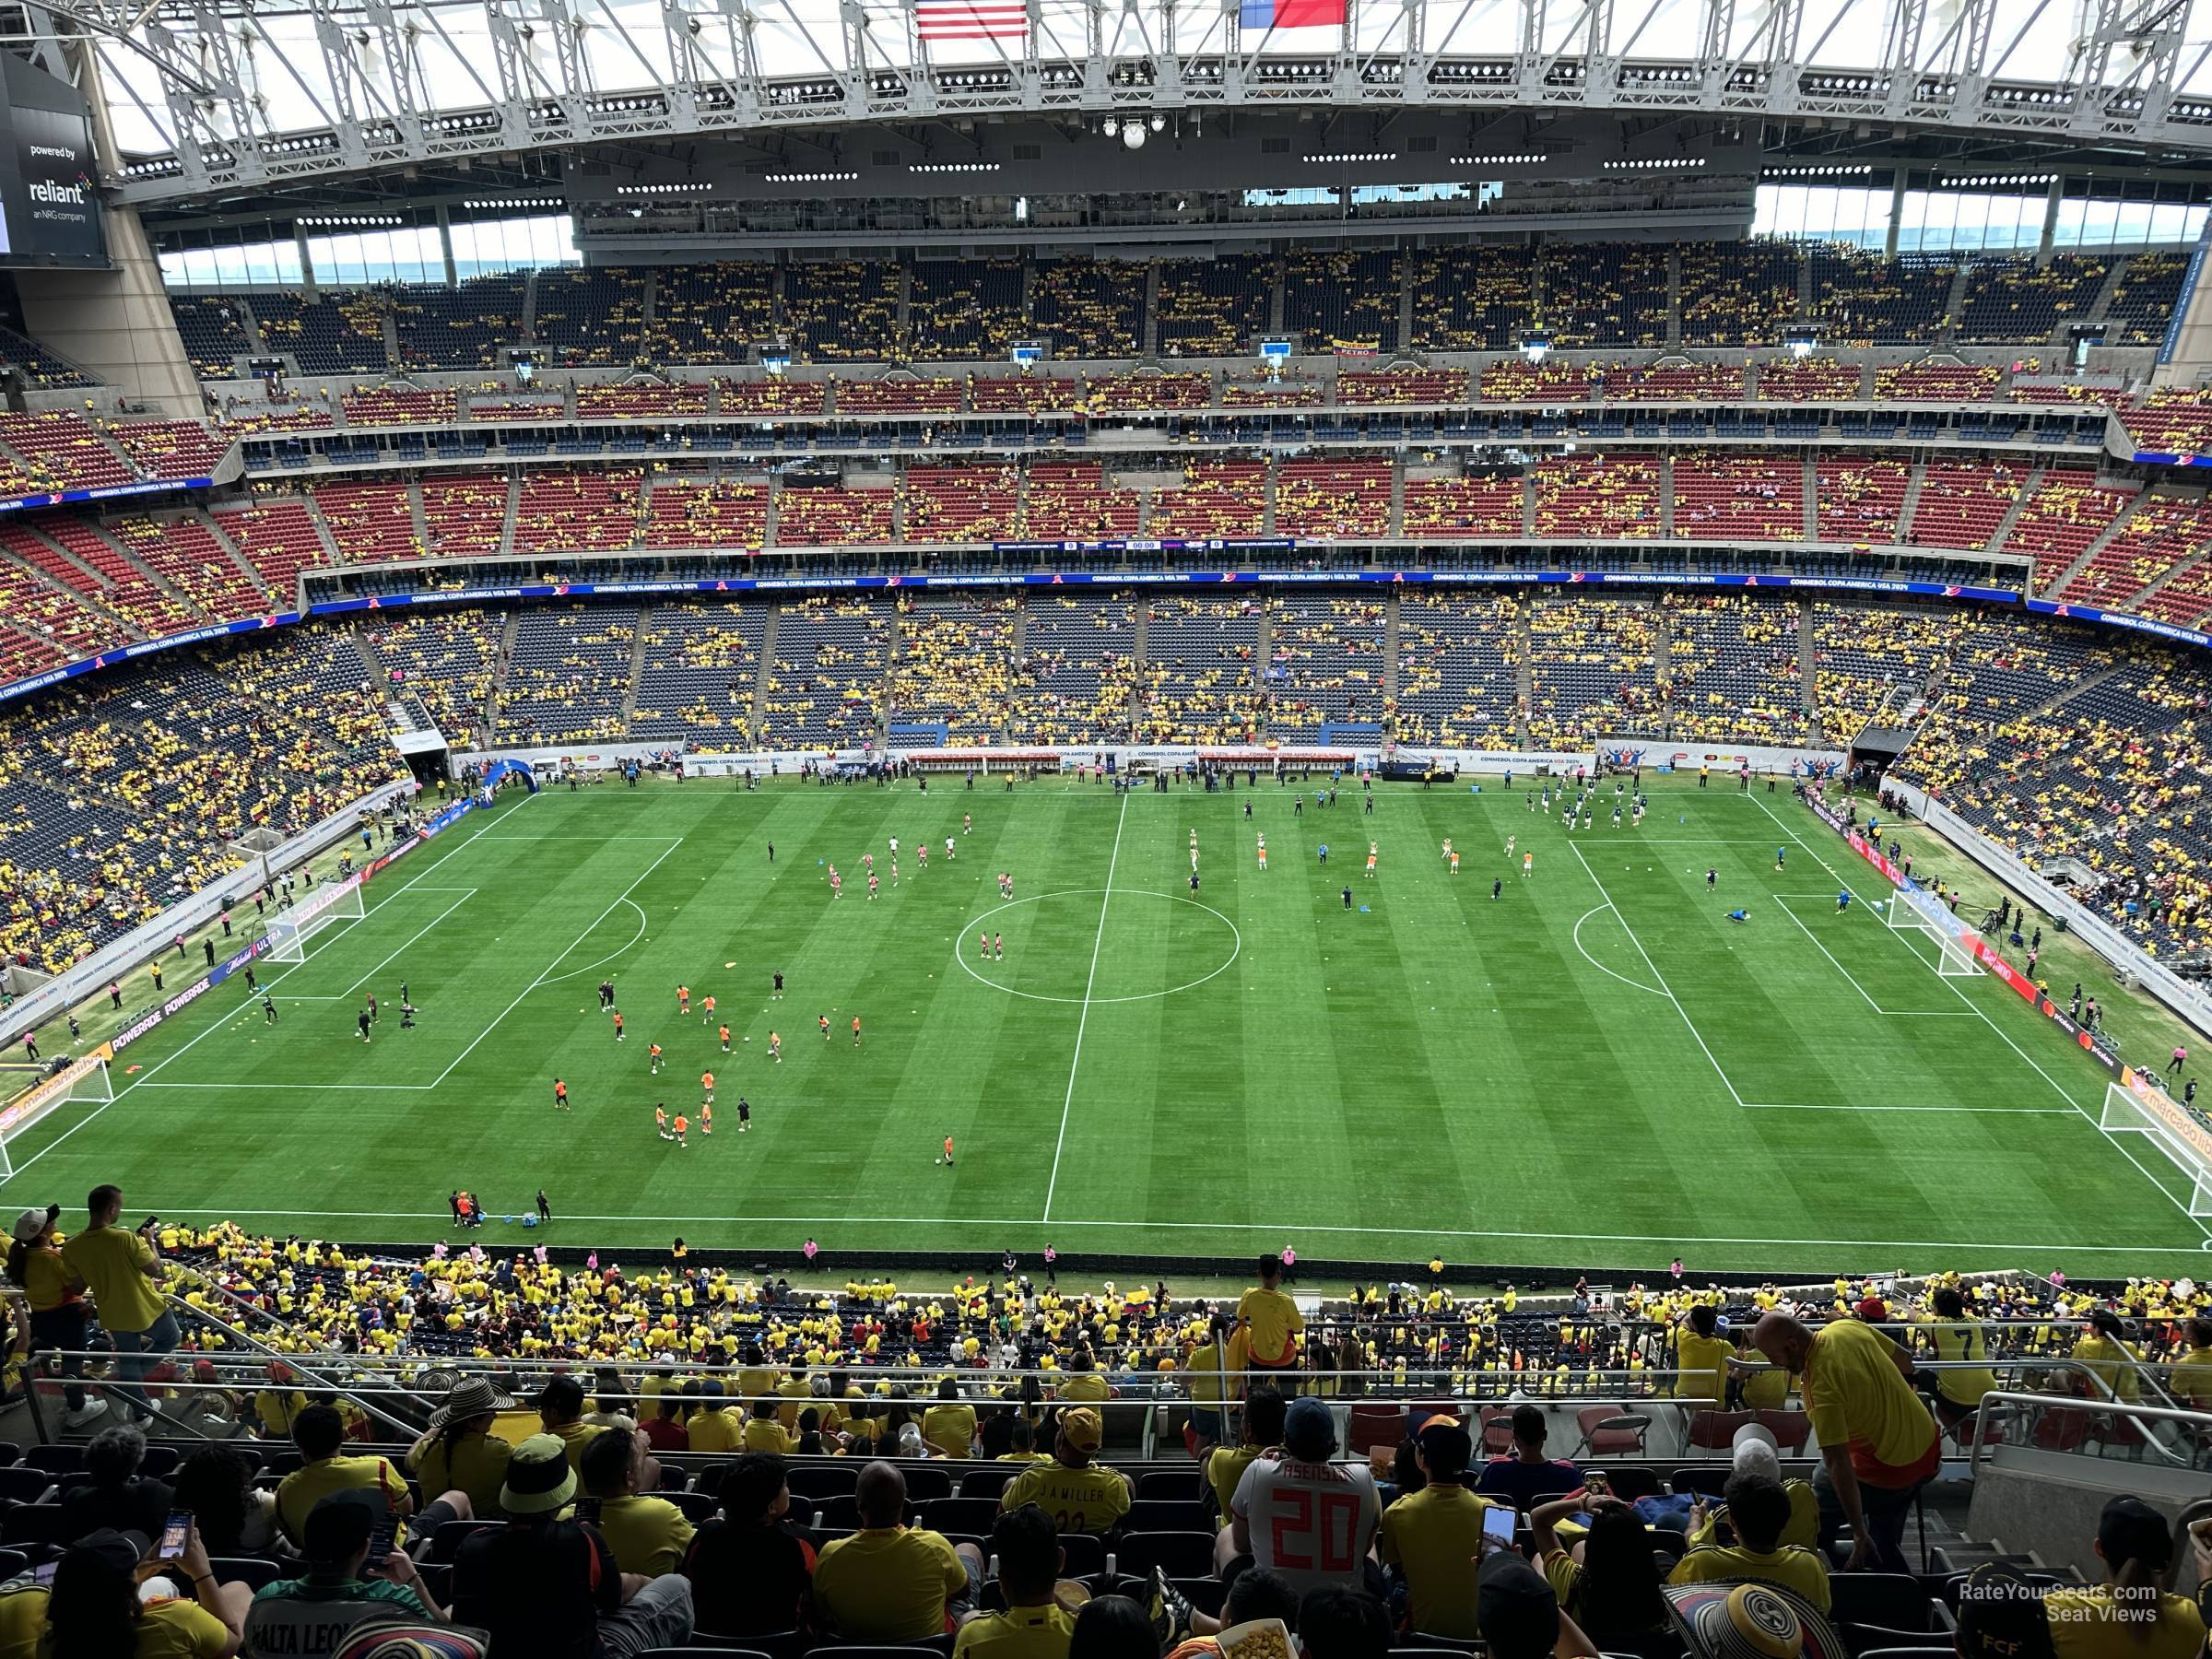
1983	953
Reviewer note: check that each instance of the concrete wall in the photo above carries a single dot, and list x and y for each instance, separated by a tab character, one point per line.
115	324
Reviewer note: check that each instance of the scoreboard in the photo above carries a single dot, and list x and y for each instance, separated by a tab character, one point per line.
51	214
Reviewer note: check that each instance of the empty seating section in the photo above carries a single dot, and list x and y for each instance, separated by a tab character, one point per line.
467	326
62	451
1598	497
1871	660
1216	498
842	311
213	327
1345	499
963	503
2068	512
1962	502
1996	671
50	621
1732	496
772	396
723	514
1072	499
1479	299
39	366
823	687
1199	681
1591	671
1324	665
2158	535
1861	299
446	659
278	541
125	587
393	405
568	674
1022	393
1089	307
966	309
333	333
170	449
594	318
2144	300
1076	671
576	512
954	666
1552	380
184	553
1370	387
1340	300
2020	302
1860	501
1605	294
902	394
816	517
643	400
712	313
1475	504
1732	669
2173	420
370	523
1107	393
701	668
1214	307
1937	382
463	512
1738	293
1456	665
1803	380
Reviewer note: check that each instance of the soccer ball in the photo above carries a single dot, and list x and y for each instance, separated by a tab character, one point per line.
939	1159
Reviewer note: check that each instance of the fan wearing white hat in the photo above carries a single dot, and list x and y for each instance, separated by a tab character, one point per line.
58	1311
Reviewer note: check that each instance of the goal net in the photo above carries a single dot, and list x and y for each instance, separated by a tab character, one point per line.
1911	910
85	1079
289	929
2140	1105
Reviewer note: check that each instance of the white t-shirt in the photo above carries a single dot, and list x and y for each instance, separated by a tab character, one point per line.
1313	1523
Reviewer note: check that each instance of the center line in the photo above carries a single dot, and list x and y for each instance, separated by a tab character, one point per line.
1083	1020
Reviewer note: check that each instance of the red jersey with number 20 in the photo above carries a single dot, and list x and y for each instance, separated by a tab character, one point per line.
1311	1522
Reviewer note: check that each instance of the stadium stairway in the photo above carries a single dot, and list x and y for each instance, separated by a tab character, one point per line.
1810	488
637	668
2028	487
1954	304
1667	496
1525	675
757	711
2158	584
2097	544
1673	301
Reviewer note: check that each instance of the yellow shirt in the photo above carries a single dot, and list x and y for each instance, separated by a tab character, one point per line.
475	1464
888	1584
1084	1387
1431	1536
2192	1379
1016	1633
575	1437
1801	1528
305	1487
1204	1369
763	1434
110	1260
1224	1467
1703	1362
950	1428
1791	1566
22	1621
1089	1499
648	1534
2083	1625
1275	1323
712	1432
277	1409
1767	1387
1959	1339
2109	1357
180	1630
1857	1396
45	1280
796	1393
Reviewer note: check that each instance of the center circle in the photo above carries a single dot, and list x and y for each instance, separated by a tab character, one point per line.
1043	932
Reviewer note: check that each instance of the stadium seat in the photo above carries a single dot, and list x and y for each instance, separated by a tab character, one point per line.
960	1515
864	1649
842	1514
1860	1639
1705	1483
1610	1433
57	1460
1167	1514
159	1463
1087	1555
696	1506
1205	1594
251	1571
1894	1601
817	1480
1374	1425
1180	1554
1716	1431
12	1561
10	1453
987	1482
1498	1431
1173	1483
1792	1430
33	1523
24	1486
715	1651
924	1481
448	1538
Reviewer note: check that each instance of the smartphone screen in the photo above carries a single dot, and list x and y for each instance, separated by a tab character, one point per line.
587	1509
1498	1526
174	1532
44	1575
381	1538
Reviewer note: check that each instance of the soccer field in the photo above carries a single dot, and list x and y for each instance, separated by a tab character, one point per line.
1596	1068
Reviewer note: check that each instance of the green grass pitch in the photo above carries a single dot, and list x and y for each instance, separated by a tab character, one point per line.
1594	1068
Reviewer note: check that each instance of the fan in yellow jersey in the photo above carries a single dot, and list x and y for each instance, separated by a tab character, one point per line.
1269	1321
1079	1494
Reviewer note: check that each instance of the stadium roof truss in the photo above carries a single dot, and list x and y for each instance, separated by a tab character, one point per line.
221	95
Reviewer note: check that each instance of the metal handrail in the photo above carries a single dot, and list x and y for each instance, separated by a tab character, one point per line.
2196	1425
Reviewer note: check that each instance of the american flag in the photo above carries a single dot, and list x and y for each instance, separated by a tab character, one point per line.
972	19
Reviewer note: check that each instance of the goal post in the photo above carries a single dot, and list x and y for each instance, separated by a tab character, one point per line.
1911	909
2139	1105
291	929
81	1079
